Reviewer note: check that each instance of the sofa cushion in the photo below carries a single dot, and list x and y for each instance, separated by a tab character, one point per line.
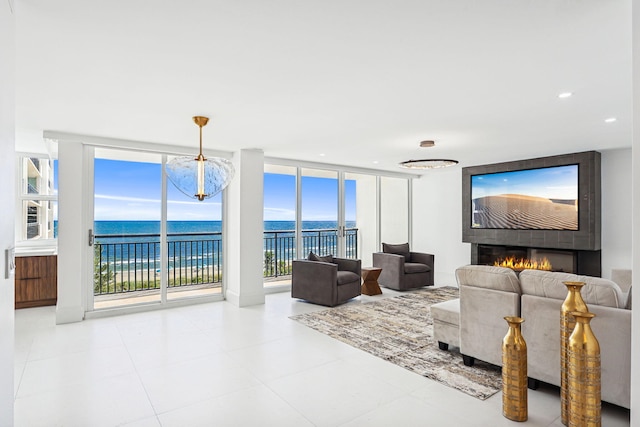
447	311
401	249
549	284
314	257
486	276
415	267
345	277
628	305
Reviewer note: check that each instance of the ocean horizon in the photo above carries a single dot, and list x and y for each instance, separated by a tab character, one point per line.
124	228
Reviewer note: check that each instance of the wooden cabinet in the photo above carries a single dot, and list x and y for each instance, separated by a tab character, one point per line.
36	281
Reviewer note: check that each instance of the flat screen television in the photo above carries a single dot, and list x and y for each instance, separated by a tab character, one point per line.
528	199
545	202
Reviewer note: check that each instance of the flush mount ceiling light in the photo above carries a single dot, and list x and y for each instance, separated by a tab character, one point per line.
428	163
565	95
610	120
200	177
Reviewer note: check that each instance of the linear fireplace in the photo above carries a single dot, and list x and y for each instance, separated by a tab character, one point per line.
568	261
534	210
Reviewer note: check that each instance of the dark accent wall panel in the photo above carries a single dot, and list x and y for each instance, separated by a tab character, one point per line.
587	237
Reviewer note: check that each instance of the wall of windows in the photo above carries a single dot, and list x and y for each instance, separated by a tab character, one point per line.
37	195
329	211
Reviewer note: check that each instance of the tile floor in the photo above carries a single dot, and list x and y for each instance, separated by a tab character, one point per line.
218	365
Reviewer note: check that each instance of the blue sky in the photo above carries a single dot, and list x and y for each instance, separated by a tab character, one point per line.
553	183
132	191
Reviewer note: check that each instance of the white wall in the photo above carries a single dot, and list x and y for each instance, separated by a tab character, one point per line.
437	222
7	199
437	217
72	233
635	195
616	210
244	228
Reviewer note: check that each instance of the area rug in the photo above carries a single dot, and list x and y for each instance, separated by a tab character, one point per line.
400	330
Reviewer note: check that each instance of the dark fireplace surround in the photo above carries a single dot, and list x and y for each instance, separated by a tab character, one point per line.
576	252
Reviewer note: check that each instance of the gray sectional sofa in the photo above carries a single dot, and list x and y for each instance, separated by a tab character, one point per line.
487	294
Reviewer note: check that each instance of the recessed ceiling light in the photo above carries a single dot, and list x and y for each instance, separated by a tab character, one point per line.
321	154
375	162
610	120
565	95
427	143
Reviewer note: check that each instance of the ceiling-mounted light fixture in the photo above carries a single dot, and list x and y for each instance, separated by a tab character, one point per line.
428	163
200	177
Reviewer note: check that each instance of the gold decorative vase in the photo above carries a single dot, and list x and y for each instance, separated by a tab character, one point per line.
573	302
584	374
514	372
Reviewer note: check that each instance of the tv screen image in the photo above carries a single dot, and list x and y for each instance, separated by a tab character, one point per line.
528	199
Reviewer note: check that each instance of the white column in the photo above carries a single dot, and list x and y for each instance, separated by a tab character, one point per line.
244	229
635	196
72	235
7	201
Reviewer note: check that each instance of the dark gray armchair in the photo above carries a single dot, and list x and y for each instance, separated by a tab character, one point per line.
326	283
403	269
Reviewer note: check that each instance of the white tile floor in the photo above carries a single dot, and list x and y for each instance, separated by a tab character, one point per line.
218	365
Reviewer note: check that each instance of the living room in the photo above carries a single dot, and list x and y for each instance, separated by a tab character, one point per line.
479	75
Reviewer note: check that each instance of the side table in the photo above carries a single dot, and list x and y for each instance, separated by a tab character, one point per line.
370	284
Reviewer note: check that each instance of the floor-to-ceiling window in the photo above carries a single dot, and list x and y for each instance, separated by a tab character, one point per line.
329	212
279	223
151	243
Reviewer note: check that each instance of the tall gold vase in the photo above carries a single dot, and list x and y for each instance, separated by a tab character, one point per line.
573	302
584	374
514	372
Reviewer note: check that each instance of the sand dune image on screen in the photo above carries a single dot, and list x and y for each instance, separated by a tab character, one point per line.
517	211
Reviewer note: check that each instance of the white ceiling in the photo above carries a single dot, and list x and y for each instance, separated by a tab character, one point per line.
356	80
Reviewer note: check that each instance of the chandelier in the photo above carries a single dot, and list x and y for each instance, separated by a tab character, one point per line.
200	177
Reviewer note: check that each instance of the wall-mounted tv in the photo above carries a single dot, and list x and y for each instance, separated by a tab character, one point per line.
545	202
528	199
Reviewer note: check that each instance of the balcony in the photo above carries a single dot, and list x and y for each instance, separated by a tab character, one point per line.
127	267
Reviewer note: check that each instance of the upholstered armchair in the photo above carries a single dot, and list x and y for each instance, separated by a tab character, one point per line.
329	281
403	269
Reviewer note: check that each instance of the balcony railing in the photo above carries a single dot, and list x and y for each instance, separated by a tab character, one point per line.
280	247
132	262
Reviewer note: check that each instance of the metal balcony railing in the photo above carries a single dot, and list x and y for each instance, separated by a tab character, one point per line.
132	262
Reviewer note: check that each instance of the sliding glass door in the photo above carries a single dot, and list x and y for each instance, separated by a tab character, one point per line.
126	228
151	243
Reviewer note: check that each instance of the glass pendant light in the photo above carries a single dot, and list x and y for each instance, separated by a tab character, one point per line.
200	177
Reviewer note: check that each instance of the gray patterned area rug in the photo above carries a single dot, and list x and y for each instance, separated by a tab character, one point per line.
400	330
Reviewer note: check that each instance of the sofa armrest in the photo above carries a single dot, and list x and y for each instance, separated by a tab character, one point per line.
392	266
389	262
314	281
422	258
346	264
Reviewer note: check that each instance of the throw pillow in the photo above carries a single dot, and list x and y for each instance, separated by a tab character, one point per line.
402	249
314	257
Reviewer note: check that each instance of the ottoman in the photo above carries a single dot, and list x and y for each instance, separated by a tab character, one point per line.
446	323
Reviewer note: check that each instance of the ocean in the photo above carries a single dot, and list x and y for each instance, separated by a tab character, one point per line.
128	228
138	242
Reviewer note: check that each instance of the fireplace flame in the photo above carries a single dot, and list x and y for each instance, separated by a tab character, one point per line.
519	264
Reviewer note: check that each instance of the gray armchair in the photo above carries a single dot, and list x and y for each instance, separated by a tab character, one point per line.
403	269
326	283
